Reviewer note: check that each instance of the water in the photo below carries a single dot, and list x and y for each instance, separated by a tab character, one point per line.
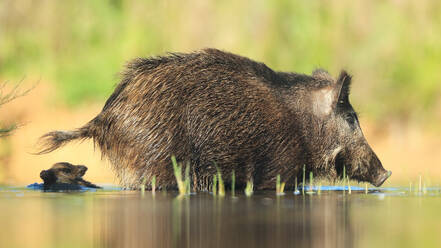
392	217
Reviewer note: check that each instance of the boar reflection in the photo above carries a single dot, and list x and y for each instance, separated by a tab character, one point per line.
202	221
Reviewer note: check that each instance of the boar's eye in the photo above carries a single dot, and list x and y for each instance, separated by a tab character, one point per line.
351	118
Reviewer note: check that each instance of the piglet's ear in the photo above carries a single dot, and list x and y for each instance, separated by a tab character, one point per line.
342	88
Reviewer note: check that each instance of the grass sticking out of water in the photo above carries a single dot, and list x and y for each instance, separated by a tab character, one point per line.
214	185
280	187
154	185
296	191
221	183
217	186
177	169
144	181
311	182
233	183
187	178
422	187
319	189
249	189
303	183
419	185
344	177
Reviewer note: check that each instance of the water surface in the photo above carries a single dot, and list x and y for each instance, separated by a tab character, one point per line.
392	217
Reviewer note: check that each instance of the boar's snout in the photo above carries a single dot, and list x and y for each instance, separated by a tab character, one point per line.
382	175
370	168
81	170
48	176
381	178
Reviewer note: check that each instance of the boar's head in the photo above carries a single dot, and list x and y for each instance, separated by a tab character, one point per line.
336	134
63	172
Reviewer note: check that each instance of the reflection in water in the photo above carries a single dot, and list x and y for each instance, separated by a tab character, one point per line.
204	221
128	219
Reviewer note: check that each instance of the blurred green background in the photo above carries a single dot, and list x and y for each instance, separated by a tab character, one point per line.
393	48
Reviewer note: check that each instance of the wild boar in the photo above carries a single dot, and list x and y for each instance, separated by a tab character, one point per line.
212	107
64	175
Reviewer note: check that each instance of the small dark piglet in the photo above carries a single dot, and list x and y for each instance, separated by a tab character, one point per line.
64	175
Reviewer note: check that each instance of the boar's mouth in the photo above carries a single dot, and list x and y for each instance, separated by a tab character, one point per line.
339	165
376	180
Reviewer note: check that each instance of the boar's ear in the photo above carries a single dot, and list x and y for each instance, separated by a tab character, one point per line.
327	98
342	88
323	100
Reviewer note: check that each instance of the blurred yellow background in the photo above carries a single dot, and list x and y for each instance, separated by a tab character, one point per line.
73	50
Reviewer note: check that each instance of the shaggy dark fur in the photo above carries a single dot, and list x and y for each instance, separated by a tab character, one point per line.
64	175
216	107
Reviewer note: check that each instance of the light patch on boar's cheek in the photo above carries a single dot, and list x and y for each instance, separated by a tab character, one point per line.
322	101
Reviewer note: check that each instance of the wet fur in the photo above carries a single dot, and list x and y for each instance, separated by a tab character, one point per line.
64	175
213	106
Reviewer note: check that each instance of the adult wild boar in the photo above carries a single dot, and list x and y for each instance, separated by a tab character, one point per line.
212	107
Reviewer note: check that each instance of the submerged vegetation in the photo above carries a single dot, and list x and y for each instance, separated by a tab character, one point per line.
316	186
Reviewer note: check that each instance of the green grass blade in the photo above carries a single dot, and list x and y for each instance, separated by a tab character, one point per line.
303	184
153	185
221	183
278	184
249	189
233	183
177	169
144	181
214	185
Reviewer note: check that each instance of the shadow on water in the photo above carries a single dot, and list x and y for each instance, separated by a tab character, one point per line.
114	218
